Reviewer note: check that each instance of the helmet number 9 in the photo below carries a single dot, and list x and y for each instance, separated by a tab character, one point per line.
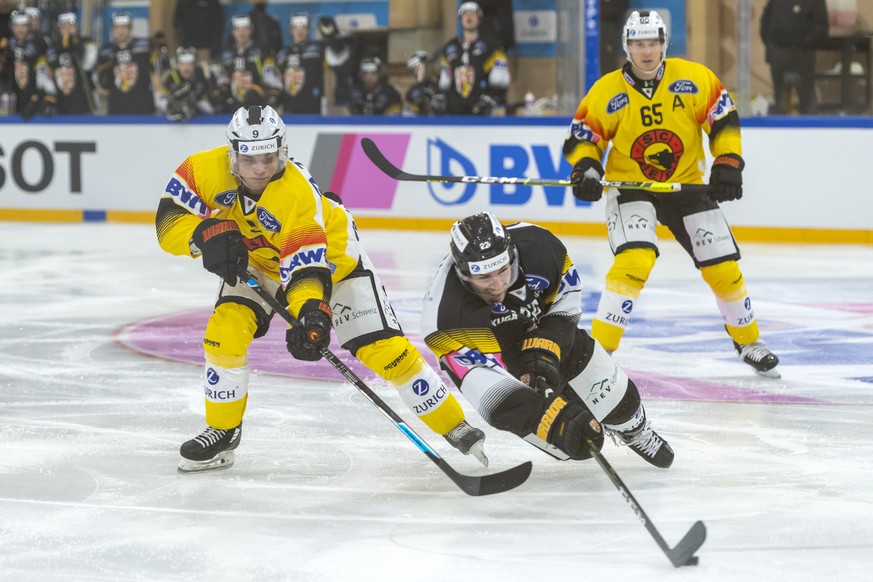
255	133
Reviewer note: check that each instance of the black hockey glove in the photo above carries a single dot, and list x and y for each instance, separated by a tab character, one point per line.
484	105
224	252
726	178
539	363
439	103
327	27
566	425
312	333
586	177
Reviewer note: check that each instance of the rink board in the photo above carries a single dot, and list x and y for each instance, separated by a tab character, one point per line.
806	180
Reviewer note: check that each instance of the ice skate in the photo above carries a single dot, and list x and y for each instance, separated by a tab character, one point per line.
762	360
211	450
469	440
646	443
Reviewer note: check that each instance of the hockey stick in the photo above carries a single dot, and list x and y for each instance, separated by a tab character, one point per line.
471	485
683	553
381	162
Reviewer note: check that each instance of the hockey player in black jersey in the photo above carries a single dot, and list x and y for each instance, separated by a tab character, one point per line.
502	318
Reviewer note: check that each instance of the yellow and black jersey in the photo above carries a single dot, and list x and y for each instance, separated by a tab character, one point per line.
464	331
292	231
655	126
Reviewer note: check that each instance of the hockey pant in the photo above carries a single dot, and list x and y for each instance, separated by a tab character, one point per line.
365	325
636	250
508	404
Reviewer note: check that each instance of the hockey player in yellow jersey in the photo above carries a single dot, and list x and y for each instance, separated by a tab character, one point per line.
245	207
654	111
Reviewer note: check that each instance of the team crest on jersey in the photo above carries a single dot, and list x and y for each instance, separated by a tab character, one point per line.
618	102
268	221
226	198
658	152
683	87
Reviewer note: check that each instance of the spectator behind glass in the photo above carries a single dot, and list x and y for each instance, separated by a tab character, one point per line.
373	95
124	68
200	23
474	74
790	29
187	89
266	31
73	63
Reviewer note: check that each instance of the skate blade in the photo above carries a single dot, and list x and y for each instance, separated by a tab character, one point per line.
771	373
221	461
478	451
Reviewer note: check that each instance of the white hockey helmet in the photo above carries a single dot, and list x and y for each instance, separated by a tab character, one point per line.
67	18
642	25
253	131
470	7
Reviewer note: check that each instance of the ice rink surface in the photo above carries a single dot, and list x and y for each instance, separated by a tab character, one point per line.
100	383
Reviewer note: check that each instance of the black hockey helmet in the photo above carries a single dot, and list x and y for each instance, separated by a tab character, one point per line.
481	245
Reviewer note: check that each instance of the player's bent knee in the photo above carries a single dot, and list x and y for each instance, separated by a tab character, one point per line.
230	330
395	359
724	278
569	426
631	268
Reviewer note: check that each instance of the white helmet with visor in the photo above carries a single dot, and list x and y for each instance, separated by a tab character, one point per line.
644	25
253	131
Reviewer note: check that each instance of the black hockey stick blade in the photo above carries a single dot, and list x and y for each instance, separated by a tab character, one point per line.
380	161
469	484
683	553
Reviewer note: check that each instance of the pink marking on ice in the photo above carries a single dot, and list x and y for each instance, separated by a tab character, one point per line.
357	181
863	308
180	337
665	387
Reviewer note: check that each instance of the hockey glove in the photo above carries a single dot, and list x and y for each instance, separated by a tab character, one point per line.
485	105
224	252
586	177
726	178
539	363
567	425
327	27
312	333
439	103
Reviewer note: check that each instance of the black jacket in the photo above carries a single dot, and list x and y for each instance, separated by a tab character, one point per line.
797	23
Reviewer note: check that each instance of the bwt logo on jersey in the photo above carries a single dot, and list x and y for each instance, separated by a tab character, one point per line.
617	103
723	106
683	87
570	279
307	257
186	198
268	221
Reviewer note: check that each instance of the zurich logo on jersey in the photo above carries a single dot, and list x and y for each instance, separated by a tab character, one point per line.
627	306
618	102
683	86
212	376
268	221
499	309
421	387
536	282
226	198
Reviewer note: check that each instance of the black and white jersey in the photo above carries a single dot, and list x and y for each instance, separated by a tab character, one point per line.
465	332
301	67
125	71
